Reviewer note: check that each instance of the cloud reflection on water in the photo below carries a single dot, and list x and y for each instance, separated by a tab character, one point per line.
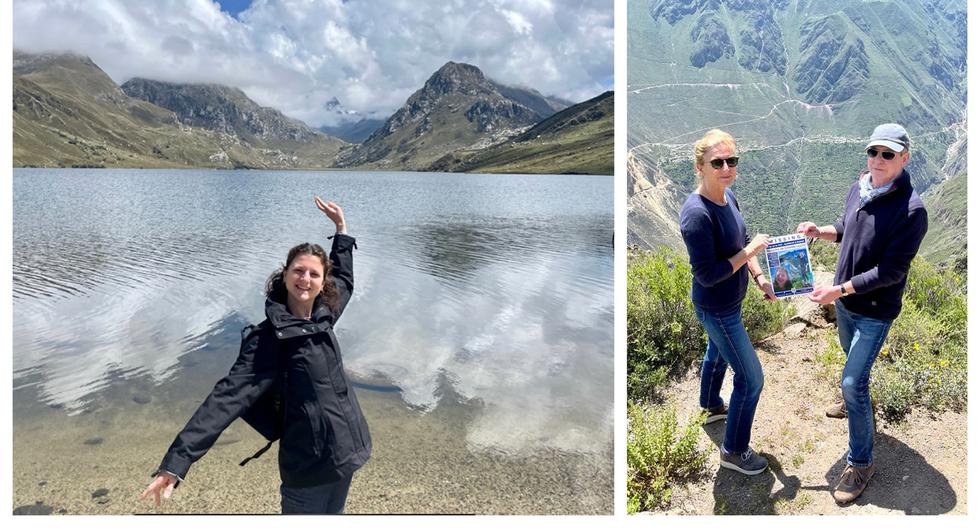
486	287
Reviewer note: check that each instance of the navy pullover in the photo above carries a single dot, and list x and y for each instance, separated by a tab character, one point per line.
713	234
878	242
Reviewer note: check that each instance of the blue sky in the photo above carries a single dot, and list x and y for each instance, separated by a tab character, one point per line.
297	56
233	7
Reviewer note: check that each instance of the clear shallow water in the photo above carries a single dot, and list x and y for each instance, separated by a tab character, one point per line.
491	290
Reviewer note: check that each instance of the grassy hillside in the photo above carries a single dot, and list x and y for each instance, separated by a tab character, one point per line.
69	113
577	140
945	243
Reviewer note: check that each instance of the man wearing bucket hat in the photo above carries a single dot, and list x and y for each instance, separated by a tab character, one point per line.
879	233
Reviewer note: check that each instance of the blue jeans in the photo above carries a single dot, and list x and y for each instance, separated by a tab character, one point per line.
861	338
325	498
729	345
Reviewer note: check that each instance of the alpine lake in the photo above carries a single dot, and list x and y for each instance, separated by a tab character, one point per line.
479	336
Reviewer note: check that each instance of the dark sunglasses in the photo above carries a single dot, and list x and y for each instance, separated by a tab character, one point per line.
717	163
884	154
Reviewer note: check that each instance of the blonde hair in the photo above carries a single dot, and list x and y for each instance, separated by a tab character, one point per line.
711	138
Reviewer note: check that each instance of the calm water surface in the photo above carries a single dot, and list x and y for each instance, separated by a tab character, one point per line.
492	291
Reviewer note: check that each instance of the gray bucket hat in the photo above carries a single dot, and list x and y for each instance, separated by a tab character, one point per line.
891	135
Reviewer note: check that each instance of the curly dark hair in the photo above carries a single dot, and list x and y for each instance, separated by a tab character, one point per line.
275	285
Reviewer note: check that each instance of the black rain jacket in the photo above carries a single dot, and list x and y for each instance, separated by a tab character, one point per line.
289	384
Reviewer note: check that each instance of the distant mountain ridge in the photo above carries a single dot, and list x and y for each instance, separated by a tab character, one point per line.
355	132
457	107
68	112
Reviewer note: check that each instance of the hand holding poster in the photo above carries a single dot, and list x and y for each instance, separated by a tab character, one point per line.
788	260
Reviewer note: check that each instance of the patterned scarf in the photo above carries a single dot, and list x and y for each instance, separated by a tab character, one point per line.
869	192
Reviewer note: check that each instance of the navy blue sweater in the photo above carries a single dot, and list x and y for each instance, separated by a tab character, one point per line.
878	242
713	234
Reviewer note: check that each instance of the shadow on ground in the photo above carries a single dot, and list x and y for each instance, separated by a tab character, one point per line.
903	481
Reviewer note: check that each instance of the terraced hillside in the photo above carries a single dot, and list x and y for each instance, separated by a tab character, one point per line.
800	84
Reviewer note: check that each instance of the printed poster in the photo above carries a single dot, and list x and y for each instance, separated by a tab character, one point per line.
788	260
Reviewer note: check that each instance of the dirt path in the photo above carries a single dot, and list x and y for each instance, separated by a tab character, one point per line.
920	462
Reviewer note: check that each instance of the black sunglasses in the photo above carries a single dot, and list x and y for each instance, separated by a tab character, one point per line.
717	163
884	154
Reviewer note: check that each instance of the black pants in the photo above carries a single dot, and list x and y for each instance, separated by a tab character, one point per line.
322	499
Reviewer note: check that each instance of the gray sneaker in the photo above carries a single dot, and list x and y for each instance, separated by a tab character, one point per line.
837	410
852	483
748	462
716	414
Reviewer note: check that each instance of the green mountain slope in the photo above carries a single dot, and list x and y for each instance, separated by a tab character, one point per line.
800	84
577	140
68	112
946	243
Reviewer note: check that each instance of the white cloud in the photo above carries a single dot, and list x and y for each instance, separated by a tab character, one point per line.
518	22
296	56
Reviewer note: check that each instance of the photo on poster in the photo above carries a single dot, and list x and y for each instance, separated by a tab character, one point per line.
788	262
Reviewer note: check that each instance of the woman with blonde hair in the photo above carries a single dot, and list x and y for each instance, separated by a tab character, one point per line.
722	258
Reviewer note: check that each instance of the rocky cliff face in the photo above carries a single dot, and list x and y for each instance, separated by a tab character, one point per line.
834	66
458	107
222	109
653	207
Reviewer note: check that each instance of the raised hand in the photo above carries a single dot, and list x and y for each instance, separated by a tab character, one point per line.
333	212
165	482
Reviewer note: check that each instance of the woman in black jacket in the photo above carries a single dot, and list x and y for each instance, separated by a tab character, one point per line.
289	384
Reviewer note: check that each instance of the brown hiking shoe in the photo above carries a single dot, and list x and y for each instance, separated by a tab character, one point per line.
837	410
852	483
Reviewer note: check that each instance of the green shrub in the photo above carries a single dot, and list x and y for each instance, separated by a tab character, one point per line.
924	360
912	330
823	254
940	294
663	333
831	358
658	454
925	354
893	392
763	318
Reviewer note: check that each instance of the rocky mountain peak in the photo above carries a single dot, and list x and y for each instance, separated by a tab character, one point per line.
456	77
457	107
